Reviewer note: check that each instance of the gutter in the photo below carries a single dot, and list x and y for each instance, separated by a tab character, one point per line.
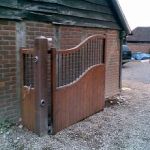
120	60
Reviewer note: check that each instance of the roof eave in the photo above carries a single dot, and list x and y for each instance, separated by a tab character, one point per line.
121	16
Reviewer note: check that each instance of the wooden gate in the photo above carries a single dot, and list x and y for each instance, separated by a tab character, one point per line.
78	82
71	88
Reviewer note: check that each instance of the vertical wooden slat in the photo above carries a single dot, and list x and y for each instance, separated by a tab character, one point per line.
98	51
74	66
21	80
81	63
61	69
70	70
85	56
41	88
65	66
92	51
72	74
53	80
78	62
91	54
31	71
58	70
21	69
67	69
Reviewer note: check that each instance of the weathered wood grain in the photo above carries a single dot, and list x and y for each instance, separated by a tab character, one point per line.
28	108
96	13
80	100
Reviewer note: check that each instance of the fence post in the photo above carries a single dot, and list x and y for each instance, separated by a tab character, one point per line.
41	88
53	84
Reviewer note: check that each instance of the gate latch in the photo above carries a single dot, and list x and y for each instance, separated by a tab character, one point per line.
42	103
35	59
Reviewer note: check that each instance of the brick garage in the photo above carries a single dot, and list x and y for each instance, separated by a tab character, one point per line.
139	47
16	34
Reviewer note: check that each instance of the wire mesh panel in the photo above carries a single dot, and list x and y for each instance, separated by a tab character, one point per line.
78	82
28	73
28	91
72	63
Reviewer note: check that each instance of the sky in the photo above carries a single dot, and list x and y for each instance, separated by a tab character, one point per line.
137	12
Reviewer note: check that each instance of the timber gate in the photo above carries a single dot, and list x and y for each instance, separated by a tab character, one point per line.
66	85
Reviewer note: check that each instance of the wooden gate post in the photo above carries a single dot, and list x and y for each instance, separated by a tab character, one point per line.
41	88
53	84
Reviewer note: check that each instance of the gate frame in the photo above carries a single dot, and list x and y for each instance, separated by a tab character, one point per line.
40	53
54	87
41	86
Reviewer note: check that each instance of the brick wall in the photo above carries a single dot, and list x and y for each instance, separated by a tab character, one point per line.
64	37
112	63
69	36
35	29
9	104
139	47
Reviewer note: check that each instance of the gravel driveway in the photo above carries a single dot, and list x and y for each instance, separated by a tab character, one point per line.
123	126
137	71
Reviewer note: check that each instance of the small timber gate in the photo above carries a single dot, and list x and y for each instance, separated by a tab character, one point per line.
62	86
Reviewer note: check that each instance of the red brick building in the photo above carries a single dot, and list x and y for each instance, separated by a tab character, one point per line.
68	23
139	41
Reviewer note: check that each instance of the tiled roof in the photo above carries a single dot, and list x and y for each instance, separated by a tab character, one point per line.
140	34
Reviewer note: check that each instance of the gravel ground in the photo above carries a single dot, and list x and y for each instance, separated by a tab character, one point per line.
137	71
123	126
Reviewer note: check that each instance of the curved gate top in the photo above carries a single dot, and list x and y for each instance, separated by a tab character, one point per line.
78	76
